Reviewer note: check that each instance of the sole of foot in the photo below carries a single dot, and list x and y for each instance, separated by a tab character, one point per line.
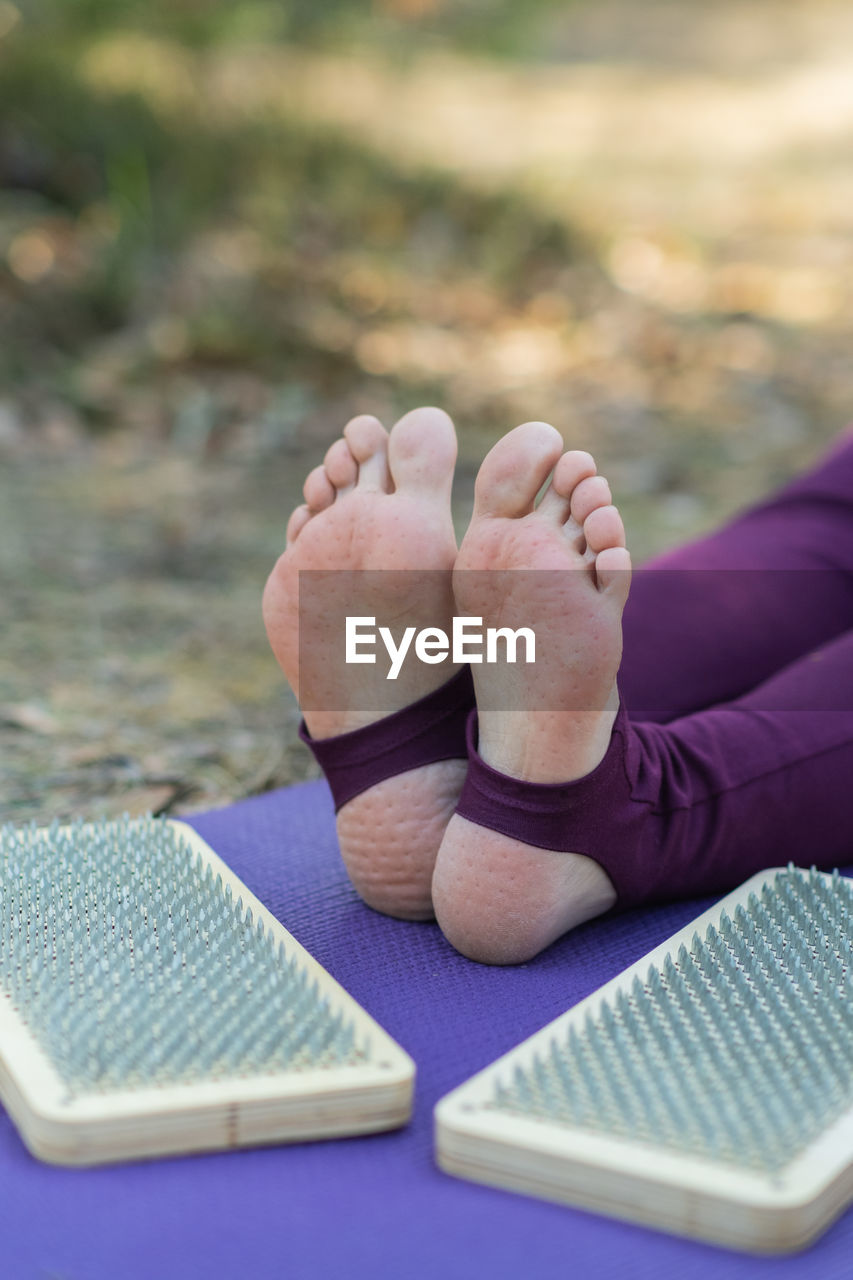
380	502
560	568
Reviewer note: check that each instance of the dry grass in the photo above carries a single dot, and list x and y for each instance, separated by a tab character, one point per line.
644	237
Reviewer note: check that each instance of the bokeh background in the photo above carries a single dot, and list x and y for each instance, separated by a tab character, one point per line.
228	225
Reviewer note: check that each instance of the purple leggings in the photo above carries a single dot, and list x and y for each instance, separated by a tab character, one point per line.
733	747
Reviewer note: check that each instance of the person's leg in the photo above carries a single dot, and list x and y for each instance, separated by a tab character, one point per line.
395	781
757	782
710	620
672	811
570	808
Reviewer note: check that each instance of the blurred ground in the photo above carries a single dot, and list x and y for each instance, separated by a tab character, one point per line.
226	229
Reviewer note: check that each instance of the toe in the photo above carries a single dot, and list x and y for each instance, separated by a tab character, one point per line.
341	466
514	471
603	528
368	442
297	523
613	573
588	495
422	452
572	468
318	490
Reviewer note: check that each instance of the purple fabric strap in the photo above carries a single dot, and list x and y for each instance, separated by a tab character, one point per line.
431	729
596	816
568	817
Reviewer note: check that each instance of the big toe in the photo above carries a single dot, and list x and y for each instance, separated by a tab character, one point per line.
422	452
515	469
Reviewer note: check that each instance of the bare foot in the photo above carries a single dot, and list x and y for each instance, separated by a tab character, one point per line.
381	503
499	900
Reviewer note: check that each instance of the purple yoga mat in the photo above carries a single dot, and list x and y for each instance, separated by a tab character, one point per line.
373	1207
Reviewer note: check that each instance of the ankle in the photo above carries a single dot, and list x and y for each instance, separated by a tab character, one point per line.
546	746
